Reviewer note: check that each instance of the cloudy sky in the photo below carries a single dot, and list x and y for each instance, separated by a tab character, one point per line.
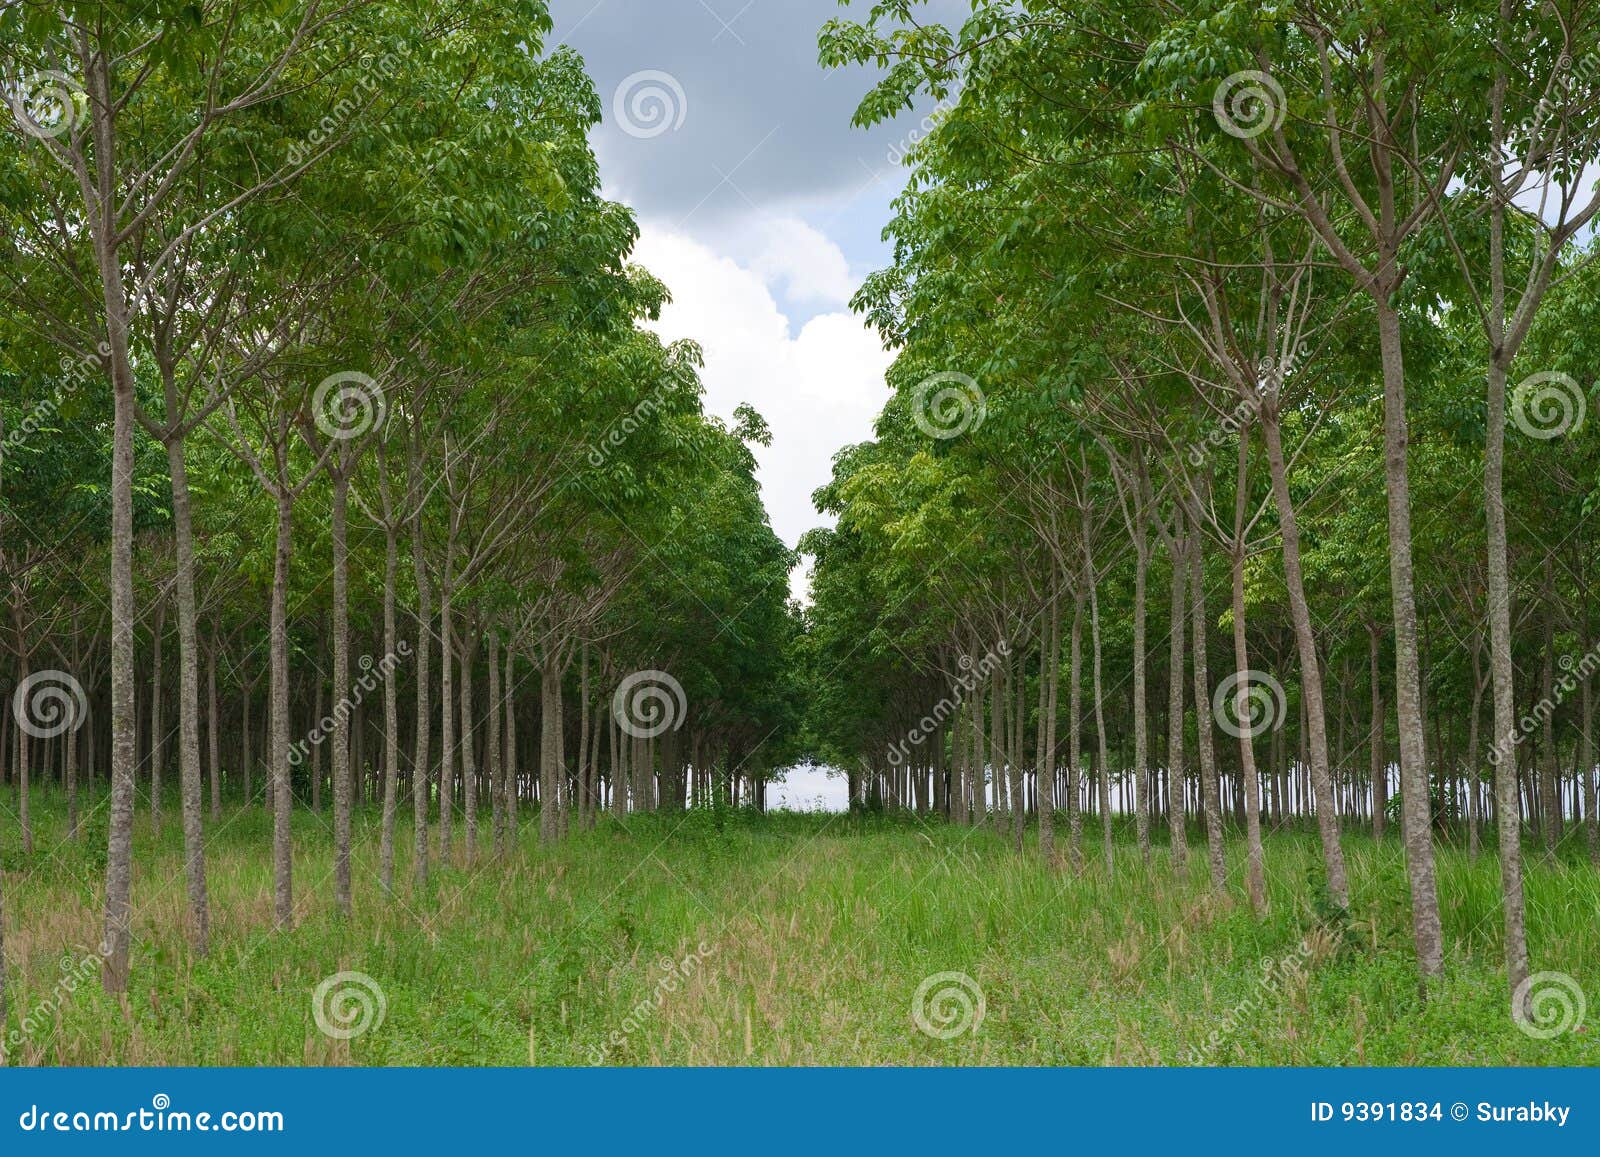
760	207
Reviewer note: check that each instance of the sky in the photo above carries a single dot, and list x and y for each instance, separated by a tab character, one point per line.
762	209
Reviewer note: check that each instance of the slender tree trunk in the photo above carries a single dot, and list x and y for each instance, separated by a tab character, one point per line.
188	695
424	717
340	759
1075	740
213	733
1415	799
1099	707
447	720
491	755
1175	669
1247	746
1210	800
469	769
282	798
549	749
391	700
1316	733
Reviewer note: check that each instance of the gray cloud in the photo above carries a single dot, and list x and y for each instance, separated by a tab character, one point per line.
763	124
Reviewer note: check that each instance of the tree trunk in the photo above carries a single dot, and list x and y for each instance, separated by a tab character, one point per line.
424	717
1210	801
391	704
282	798
1415	801
1316	733
189	697
340	759
1175	667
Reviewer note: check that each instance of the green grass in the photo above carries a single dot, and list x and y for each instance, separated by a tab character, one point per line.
817	933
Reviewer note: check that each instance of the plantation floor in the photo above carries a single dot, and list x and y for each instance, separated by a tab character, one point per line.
707	939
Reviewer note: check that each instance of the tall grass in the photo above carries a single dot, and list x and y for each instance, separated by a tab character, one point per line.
811	936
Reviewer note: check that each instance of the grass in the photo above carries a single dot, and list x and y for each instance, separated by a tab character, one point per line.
807	938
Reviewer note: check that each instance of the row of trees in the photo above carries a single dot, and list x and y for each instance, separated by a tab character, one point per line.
338	461
1217	307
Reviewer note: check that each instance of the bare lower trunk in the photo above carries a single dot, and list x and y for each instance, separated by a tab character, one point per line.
1247	747
424	717
1380	760
1415	800
340	759
282	799
1075	741
1141	725
491	755
469	769
189	702
549	750
213	733
1099	708
1508	810
1310	665
1210	801
1175	667
447	720
391	709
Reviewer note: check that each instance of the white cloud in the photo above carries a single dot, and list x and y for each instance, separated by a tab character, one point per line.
819	389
